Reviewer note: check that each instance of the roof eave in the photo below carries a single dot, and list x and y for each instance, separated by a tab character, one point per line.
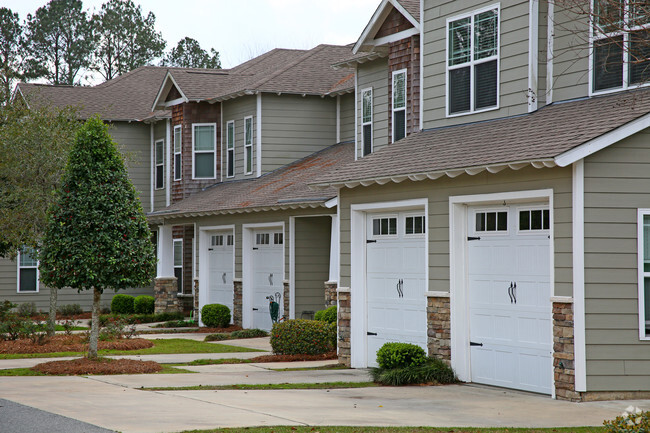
351	63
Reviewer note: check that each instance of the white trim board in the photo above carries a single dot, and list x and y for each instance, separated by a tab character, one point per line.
377	20
578	236
166	87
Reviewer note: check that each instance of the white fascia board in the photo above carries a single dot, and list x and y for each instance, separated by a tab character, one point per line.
377	21
16	92
378	17
584	150
406	14
395	37
329	204
167	84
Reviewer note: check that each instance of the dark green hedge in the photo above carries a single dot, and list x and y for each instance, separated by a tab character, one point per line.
308	337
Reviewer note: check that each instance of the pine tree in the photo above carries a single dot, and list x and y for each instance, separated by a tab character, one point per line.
97	236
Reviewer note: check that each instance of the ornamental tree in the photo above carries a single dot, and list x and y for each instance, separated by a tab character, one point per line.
97	236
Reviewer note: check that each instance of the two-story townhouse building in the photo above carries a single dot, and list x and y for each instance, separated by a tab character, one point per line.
247	142
509	235
123	103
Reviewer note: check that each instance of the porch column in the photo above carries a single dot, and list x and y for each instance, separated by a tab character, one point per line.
334	250
165	284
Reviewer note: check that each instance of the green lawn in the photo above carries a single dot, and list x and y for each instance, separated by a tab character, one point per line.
334	429
167	369
326	385
161	346
212	362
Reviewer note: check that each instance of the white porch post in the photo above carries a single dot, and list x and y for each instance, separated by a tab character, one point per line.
165	252
334	250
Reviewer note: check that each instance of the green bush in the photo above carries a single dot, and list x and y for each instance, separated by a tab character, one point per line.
633	420
249	333
70	310
430	371
27	309
400	355
12	327
144	304
308	337
215	315
122	304
216	337
328	315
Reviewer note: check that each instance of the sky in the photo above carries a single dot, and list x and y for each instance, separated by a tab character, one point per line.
243	29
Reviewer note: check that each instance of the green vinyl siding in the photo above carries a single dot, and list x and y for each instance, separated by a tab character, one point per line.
374	75
513	58
134	140
616	186
571	55
160	195
237	109
347	117
313	238
294	127
438	192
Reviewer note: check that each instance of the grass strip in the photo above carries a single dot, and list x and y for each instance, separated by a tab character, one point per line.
20	372
169	369
161	347
211	362
322	367
268	386
337	429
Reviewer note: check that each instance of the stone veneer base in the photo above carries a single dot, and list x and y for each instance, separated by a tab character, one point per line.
343	312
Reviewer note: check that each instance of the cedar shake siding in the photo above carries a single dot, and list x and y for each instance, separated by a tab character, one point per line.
405	54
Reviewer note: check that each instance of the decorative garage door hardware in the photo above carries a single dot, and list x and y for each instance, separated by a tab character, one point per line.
371	333
371	241
400	288
223	277
270	279
471	343
473	238
512	292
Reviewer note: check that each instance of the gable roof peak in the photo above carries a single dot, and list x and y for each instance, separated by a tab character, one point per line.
409	9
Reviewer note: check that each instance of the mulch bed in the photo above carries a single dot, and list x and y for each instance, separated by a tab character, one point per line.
84	366
71	343
293	358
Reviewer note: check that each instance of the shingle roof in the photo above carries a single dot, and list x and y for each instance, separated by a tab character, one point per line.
286	187
412	7
537	137
128	97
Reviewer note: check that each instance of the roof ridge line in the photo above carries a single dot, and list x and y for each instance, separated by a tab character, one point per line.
289	65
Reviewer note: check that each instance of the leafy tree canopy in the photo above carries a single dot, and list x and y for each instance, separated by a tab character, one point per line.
189	54
34	144
127	38
61	35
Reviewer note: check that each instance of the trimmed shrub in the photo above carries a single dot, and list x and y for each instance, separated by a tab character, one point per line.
400	355
122	304
328	315
249	333
70	310
216	337
431	371
632	420
215	315
144	304
27	309
303	337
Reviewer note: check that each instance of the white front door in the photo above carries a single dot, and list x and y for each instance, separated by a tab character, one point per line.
395	280
509	297
268	275
220	274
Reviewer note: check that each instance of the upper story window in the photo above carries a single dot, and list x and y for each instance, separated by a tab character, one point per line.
178	173
366	121
27	271
248	144
621	38
230	148
160	164
204	150
399	105
644	272
473	62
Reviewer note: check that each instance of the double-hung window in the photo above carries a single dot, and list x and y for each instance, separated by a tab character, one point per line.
178	263
473	62
621	44
27	271
230	148
178	169
204	153
160	164
248	144
399	105
366	120
644	272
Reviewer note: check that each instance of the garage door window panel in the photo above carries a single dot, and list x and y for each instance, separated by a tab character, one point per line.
491	222
384	226
534	220
415	225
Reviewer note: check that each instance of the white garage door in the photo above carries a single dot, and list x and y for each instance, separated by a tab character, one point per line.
220	260
268	275
395	280
510	309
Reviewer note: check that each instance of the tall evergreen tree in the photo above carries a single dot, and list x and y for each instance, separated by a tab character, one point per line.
127	38
97	237
61	35
12	56
189	54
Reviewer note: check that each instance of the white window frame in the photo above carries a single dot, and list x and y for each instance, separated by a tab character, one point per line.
156	164
472	62
19	268
372	236
531	232
642	275
595	36
415	215
213	151
496	210
248	145
179	289
230	159
178	152
370	122
394	110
